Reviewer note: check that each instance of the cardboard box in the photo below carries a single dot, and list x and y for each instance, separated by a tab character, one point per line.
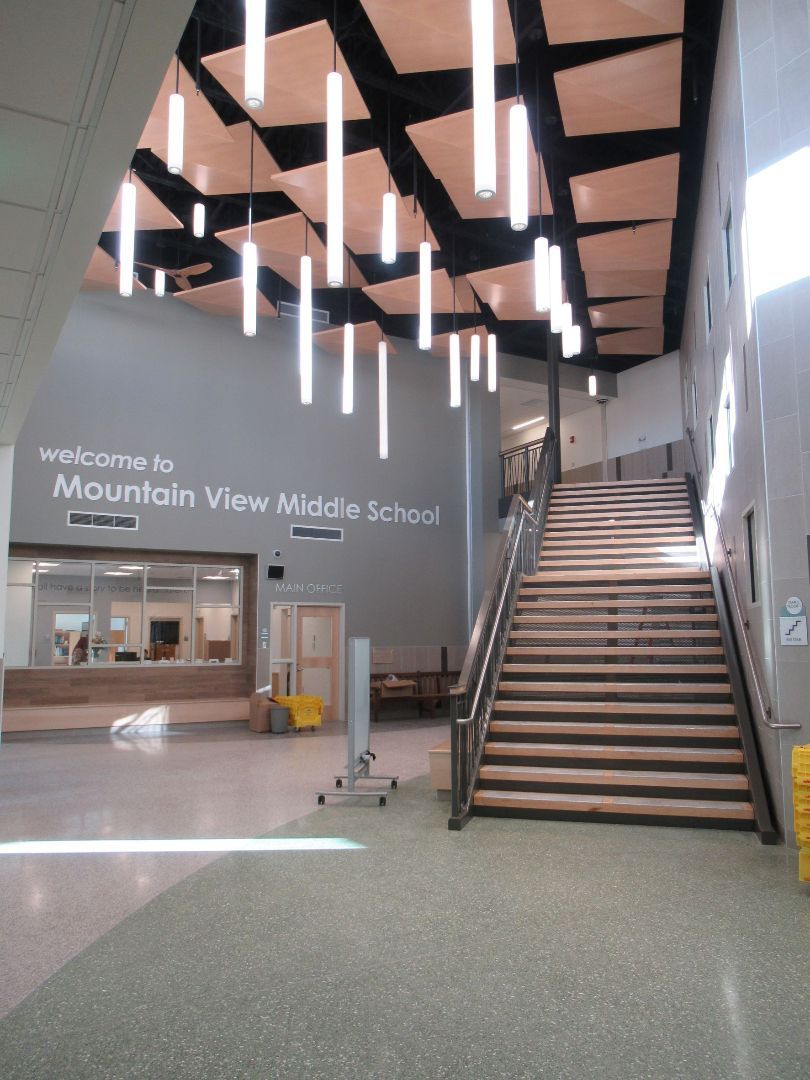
259	713
397	688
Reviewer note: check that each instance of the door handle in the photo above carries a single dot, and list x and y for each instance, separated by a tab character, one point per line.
298	667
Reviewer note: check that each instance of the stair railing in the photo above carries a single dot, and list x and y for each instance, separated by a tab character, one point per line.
471	700
763	701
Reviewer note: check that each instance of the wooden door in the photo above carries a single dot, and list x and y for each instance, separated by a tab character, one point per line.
318	655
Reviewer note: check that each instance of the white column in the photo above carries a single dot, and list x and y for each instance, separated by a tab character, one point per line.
6	474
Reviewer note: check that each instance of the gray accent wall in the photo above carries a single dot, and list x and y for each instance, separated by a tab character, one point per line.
147	377
760	114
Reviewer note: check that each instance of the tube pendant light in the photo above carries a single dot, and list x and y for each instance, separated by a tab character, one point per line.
518	168
347	405
305	331
455	371
542	279
175	136
592	384
198	221
389	228
250	264
576	339
126	254
334	179
492	363
382	395
255	28
425	299
475	357
160	283
555	287
483	57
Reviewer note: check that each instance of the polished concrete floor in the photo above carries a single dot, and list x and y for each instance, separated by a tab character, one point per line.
512	949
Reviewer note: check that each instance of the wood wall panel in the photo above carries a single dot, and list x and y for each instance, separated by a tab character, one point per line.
137	684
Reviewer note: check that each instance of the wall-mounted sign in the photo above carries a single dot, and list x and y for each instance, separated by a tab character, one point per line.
793	622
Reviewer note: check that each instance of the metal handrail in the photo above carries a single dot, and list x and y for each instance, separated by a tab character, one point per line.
519	467
472	698
763	699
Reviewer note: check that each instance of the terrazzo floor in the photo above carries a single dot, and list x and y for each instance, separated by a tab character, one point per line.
511	949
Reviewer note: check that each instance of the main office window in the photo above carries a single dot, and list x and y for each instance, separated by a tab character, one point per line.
65	613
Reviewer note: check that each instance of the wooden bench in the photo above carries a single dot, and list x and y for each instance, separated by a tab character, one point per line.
431	694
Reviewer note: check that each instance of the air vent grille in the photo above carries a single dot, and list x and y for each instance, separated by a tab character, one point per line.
102	521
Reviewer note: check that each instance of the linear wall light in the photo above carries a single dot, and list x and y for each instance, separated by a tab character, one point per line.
483	49
255	28
126	254
382	365
198	221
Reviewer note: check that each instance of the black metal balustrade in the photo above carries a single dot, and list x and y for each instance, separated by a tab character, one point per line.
471	700
519	468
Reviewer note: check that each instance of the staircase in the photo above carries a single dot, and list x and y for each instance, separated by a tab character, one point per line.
614	701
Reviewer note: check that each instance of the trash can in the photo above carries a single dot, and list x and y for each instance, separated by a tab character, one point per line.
279	719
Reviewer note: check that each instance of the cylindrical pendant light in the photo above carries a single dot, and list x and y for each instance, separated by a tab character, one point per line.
455	371
555	287
576	339
334	179
174	156
592	385
382	364
389	228
567	342
475	357
160	283
305	331
250	279
425	300
483	49
519	167
255	28
492	363
126	254
348	368
198	223
542	282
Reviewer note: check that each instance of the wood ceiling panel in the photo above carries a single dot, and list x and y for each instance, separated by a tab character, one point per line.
642	191
102	275
365	180
296	64
646	342
509	291
223	298
215	167
366	339
626	283
440	345
421	35
446	146
644	247
642	311
281	243
597	20
635	91
150	213
401	296
200	122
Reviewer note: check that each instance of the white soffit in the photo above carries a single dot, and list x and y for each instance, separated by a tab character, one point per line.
68	137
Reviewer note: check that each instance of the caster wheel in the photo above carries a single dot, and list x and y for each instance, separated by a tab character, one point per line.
382	800
393	785
321	800
338	782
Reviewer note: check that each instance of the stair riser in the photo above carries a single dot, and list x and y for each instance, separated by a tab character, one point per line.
618	819
662	696
635	763
732	742
652	791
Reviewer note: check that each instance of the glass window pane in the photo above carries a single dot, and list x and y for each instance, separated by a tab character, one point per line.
216	634
19	620
117	600
21	572
62	614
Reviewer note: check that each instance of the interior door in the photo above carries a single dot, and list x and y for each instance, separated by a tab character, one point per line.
318	655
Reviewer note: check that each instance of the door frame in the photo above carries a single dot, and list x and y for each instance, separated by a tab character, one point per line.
340	704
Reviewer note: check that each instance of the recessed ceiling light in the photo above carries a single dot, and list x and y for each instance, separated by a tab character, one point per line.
48	565
527	423
122	567
117	573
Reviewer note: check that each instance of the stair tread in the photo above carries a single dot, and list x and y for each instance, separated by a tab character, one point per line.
562	619
664	708
689	670
547	604
639	635
640	591
616	804
648	574
555	562
595	728
628	777
582	687
614	650
719	755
